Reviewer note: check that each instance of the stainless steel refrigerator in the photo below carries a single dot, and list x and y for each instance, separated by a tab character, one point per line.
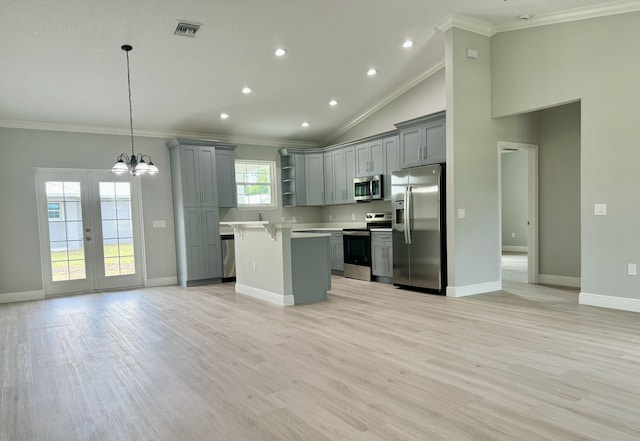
419	246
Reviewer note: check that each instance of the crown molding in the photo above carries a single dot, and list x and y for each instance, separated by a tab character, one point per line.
384	101
466	22
584	13
97	130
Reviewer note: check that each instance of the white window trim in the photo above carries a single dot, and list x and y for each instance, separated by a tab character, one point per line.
274	187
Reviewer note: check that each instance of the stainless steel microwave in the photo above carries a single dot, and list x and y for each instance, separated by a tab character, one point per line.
368	188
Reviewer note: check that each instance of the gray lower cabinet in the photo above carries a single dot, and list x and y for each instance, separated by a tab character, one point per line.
422	141
202	242
381	254
337	252
195	209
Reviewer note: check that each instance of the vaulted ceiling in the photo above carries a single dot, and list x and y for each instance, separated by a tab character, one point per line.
62	68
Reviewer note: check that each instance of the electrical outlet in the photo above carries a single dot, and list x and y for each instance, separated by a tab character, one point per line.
254	266
461	213
353	216
330	216
159	224
631	269
513	234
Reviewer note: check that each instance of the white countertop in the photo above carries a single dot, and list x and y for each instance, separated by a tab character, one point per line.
387	230
295	235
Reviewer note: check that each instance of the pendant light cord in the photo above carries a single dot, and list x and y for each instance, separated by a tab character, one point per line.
133	154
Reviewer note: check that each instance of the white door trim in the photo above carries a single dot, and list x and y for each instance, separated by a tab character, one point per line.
532	185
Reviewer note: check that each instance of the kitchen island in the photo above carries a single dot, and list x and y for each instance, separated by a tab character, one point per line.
277	265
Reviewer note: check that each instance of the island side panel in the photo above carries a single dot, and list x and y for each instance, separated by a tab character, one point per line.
310	268
260	270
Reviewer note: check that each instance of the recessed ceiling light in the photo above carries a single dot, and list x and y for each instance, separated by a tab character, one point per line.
305	124
524	16
224	116
407	44
280	52
333	103
246	90
371	72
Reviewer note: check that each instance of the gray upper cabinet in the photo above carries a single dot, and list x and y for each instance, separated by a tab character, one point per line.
423	141
314	178
369	158
390	145
339	171
292	179
225	175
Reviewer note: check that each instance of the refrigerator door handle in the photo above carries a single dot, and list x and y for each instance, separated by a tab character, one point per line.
408	216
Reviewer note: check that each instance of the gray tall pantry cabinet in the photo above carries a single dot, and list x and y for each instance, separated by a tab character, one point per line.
195	179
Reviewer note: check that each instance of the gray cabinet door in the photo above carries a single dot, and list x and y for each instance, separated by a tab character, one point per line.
194	243
337	252
211	243
390	145
381	254
314	178
350	172
191	195
376	155
436	145
362	160
301	183
226	177
329	179
339	176
411	147
207	180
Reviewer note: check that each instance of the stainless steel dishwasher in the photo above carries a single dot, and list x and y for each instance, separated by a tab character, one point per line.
228	258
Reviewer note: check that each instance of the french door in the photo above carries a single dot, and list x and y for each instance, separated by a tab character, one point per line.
89	231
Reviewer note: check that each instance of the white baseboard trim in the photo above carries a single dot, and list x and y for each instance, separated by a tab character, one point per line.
515	248
622	303
161	281
271	297
21	296
550	279
469	290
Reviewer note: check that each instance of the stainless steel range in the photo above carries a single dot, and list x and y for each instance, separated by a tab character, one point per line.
357	246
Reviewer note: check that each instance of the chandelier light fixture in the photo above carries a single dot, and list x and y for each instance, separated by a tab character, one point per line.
135	164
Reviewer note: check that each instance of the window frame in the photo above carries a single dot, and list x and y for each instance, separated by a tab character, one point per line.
273	184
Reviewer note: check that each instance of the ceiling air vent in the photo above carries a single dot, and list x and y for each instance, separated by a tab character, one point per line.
187	29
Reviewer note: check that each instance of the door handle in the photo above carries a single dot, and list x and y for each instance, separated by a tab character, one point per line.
409	215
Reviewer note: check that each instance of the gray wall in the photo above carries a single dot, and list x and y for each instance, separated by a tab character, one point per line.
595	61
559	191
472	163
24	150
424	98
515	197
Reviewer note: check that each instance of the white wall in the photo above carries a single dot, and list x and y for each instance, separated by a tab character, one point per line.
515	197
24	150
595	61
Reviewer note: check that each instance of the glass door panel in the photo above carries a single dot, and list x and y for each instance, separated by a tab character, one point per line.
89	231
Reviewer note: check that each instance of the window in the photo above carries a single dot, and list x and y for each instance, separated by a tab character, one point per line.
53	211
255	183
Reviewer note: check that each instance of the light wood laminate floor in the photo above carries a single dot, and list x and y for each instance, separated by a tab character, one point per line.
372	363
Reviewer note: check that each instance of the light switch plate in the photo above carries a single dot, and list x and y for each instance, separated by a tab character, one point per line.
159	224
632	270
461	213
472	53
600	209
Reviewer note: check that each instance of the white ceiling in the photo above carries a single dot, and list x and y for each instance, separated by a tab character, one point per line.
61	65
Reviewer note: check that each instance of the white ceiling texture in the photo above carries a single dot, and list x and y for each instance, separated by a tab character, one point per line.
61	66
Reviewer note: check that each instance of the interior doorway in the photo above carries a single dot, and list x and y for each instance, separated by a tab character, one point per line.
89	231
518	187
